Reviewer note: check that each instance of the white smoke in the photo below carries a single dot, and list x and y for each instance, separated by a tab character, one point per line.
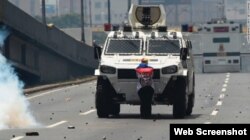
14	111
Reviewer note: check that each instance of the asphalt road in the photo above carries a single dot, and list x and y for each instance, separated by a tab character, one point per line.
69	113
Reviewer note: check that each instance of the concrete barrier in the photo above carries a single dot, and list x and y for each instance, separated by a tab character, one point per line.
57	85
50	36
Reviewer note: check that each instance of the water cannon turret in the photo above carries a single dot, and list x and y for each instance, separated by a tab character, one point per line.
147	16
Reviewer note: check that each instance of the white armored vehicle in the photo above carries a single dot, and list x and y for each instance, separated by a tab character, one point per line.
145	36
218	45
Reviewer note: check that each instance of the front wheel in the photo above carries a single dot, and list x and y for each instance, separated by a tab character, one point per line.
190	104
180	98
191	99
102	98
105	106
101	105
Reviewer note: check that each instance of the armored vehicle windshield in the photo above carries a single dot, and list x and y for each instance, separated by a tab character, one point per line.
124	46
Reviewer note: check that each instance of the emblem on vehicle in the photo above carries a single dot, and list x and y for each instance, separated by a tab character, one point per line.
221	50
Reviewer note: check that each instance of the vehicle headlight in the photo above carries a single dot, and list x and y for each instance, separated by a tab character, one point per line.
170	69
107	69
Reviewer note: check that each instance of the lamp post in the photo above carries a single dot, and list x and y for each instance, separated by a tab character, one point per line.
109	16
43	12
82	22
129	3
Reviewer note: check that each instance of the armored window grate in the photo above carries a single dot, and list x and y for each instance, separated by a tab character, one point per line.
124	46
157	46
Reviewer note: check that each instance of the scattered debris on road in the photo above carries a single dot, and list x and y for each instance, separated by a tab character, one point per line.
67	99
32	134
71	127
139	138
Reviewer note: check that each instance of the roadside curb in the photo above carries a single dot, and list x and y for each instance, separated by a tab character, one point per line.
51	86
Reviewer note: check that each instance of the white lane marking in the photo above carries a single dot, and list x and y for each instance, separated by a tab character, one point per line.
207	122
214	113
227	76
18	138
225	85
223	90
88	112
49	92
222	96
219	103
226	81
56	124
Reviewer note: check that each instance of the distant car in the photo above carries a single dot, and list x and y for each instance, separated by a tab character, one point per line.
167	52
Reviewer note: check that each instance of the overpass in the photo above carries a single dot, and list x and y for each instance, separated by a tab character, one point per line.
42	53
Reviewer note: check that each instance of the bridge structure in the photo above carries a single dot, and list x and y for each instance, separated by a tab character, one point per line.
42	53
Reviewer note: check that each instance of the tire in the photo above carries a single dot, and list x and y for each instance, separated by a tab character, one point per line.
102	98
190	104
180	98
191	99
101	104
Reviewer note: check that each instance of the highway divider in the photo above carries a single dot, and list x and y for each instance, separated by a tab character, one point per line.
57	85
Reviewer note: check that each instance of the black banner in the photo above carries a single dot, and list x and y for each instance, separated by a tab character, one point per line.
199	131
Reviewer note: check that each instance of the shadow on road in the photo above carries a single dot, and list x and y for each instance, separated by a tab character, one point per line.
154	116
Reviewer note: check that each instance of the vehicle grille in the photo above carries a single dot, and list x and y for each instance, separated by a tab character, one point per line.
131	74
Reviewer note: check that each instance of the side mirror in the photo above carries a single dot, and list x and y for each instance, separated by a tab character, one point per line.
97	51
184	53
